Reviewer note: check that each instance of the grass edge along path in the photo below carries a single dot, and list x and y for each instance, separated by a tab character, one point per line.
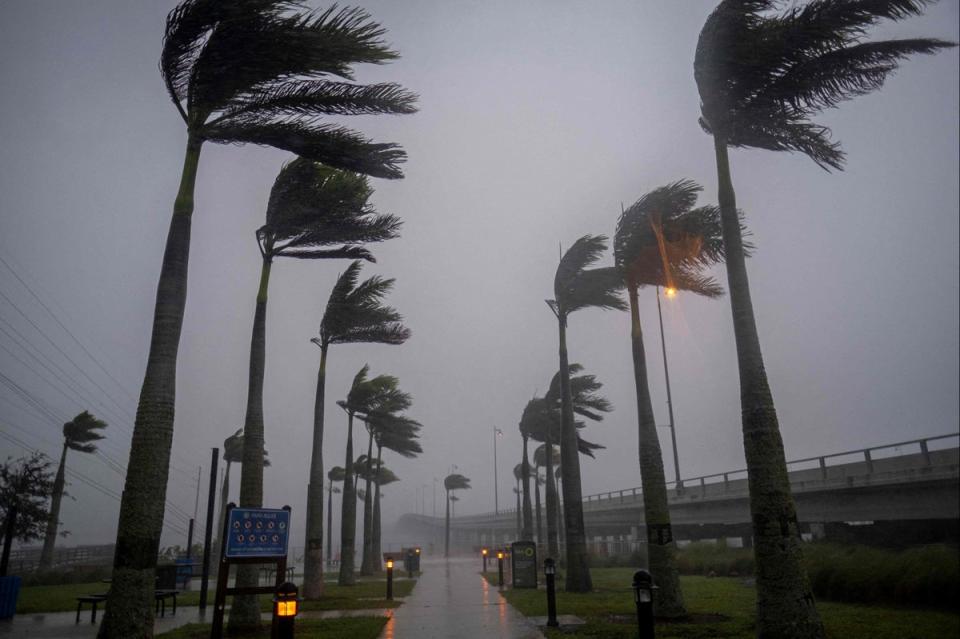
367	593
720	608
343	628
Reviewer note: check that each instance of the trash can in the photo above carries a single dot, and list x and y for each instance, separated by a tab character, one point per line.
9	591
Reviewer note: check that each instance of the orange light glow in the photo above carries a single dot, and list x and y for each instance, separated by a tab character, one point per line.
418	551
389	563
499	555
670	291
484	551
287	608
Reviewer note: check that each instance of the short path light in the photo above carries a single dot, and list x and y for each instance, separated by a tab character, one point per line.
550	570
643	598
389	578
285	608
500	566
484	552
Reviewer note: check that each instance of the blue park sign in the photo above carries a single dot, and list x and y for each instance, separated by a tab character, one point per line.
257	532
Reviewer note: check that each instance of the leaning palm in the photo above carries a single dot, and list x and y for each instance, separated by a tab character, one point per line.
314	212
399	434
335	474
540	459
576	287
762	77
663	241
239	72
365	396
454	481
79	435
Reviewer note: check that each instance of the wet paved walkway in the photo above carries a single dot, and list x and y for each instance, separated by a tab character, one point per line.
451	600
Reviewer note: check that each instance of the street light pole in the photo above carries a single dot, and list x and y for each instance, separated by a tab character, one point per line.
666	374
496	492
434	496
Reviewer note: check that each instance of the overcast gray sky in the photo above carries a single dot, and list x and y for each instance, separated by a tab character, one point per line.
537	120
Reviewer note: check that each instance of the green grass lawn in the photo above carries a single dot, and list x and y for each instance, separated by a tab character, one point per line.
721	608
347	628
367	593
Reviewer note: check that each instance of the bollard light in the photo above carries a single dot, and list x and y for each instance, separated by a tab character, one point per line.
500	567
484	552
285	607
550	570
389	578
643	588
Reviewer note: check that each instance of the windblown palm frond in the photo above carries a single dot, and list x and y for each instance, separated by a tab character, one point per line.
584	393
354	312
576	287
762	76
313	207
336	473
80	432
541	418
281	56
456	481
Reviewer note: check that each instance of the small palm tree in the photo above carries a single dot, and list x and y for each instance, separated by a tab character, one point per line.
662	240
237	72
335	474
354	314
576	287
454	481
399	434
232	454
761	78
79	435
540	459
365	396
523	532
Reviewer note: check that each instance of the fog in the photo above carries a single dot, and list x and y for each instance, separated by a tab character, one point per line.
537	121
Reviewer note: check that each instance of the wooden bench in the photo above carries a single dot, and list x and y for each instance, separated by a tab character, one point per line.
93	600
160	598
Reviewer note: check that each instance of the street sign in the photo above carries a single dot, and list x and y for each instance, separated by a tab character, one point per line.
257	532
523	557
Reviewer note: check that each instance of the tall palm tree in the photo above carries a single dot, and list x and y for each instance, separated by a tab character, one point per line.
399	434
232	454
526	525
365	396
576	287
314	212
540	459
237	72
354	314
79	435
453	481
538	422
762	76
335	474
661	240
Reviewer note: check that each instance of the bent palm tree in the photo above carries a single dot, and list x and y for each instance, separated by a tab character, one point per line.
334	475
576	287
79	435
662	240
312	210
398	434
540	459
237	72
761	78
454	481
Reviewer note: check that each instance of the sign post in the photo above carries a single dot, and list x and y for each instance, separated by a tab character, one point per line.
250	536
523	558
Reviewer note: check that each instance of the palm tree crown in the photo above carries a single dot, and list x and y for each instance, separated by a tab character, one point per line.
456	481
80	432
762	76
279	80
354	312
576	286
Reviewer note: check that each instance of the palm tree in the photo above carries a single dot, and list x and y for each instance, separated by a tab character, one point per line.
314	212
662	240
398	434
79	435
523	511
540	459
453	481
365	396
237	72
576	287
354	314
335	474
761	78
232	454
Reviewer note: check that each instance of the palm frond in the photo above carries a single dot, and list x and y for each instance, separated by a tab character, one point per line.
584	252
594	288
337	473
354	312
330	144
343	252
312	97
456	481
80	432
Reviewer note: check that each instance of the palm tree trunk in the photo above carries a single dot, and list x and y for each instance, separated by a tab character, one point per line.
446	540
53	521
130	601
519	509
536	493
224	495
561	530
526	533
348	518
578	563
661	547
245	611
313	557
377	552
785	605
366	565
329	522
553	548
